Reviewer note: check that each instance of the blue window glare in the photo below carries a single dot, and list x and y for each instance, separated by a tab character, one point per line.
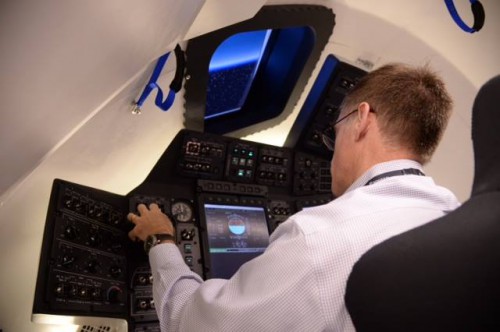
231	71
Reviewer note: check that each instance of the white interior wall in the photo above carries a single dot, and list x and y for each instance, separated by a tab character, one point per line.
115	150
62	59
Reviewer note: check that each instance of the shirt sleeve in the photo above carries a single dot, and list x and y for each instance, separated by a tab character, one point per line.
275	291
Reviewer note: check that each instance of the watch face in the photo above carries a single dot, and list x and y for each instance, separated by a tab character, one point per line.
149	243
182	211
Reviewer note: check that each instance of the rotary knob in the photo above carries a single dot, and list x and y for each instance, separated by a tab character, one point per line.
70	232
115	271
115	294
94	239
67	261
60	290
92	266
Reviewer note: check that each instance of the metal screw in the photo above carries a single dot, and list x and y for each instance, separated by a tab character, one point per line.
136	110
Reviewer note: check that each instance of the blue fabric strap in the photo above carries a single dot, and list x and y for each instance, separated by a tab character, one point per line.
174	86
477	11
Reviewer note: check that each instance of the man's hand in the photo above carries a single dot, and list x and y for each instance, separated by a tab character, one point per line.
148	222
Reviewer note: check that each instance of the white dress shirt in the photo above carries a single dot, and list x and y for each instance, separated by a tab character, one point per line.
298	283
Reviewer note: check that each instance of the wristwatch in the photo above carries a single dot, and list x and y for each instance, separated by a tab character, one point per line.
155	239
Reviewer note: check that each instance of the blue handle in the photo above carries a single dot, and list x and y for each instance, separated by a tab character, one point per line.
477	11
174	86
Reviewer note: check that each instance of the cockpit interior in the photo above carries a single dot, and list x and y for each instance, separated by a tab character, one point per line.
214	110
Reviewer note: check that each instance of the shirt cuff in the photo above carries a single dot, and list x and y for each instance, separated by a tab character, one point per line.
165	256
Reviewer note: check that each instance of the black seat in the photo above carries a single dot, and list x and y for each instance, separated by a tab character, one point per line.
445	275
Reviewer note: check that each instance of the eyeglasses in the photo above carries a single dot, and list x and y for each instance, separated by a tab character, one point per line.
329	142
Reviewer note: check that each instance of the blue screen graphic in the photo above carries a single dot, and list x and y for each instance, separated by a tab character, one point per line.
236	234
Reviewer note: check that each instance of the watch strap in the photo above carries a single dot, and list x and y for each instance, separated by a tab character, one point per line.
164	237
155	239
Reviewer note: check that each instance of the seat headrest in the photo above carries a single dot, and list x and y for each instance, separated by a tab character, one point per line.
486	138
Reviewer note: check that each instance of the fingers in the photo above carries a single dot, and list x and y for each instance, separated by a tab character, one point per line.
148	221
140	231
132	217
142	209
154	206
132	235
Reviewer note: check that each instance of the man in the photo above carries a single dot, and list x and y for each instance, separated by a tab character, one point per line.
389	126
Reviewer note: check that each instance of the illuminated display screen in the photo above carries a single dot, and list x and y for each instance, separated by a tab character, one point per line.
236	234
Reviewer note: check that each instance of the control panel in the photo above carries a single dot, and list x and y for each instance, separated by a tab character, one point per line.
311	175
224	195
202	159
89	266
85	253
322	107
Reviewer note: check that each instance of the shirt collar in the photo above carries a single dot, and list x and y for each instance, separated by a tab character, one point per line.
384	167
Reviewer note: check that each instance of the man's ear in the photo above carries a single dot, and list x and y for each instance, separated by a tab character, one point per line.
363	120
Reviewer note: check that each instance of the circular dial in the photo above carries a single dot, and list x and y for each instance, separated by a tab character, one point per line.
182	211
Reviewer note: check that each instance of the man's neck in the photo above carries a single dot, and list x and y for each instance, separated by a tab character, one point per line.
374	157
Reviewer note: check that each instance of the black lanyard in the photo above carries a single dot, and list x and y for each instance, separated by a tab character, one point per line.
406	171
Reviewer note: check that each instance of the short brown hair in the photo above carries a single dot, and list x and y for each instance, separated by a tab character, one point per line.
411	103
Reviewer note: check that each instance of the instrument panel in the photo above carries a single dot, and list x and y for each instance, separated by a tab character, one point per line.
212	187
94	269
